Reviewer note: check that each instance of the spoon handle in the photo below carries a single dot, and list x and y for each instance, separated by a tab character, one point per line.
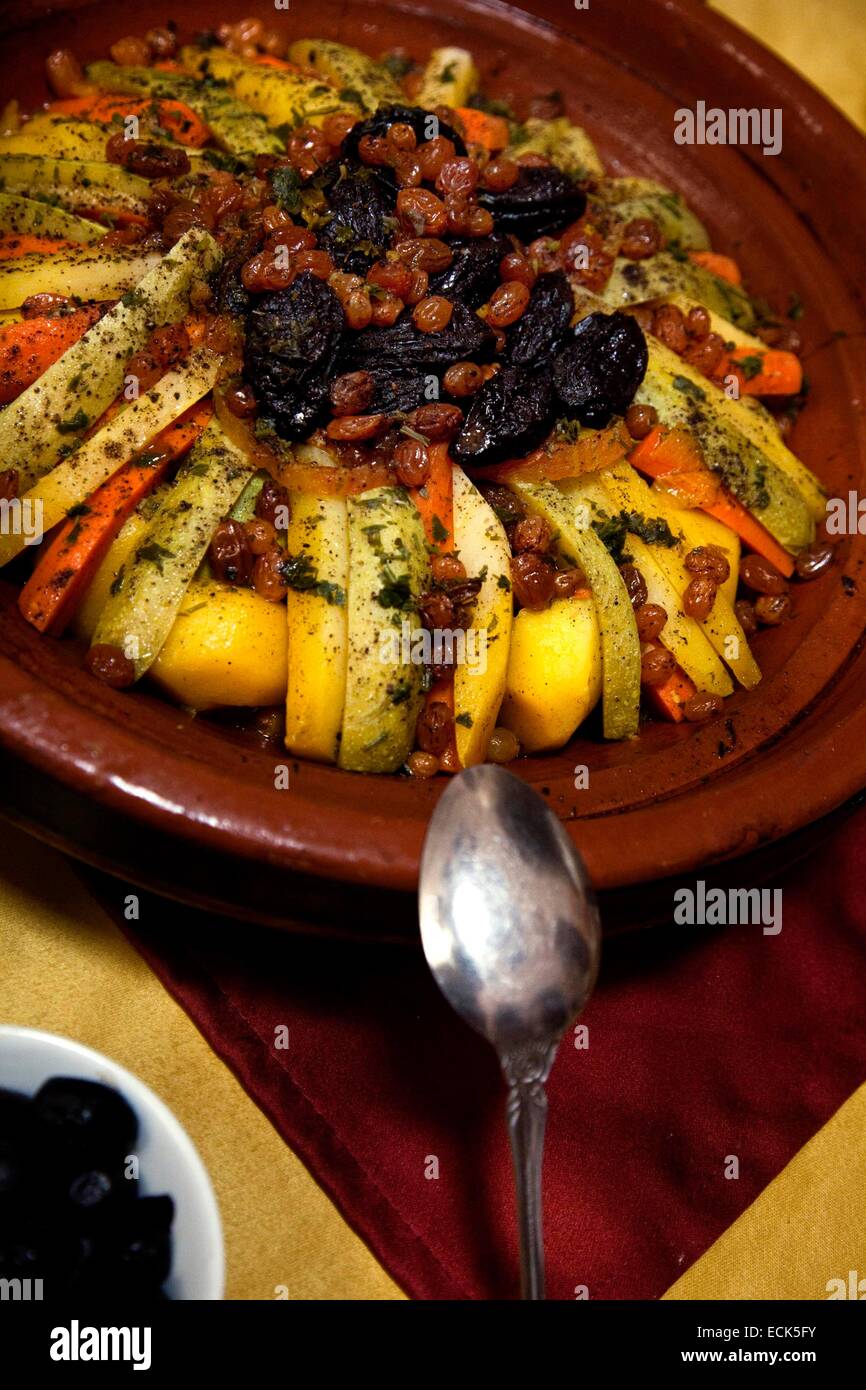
526	1069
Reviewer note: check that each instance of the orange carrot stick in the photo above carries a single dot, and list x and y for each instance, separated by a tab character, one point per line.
566	459
725	267
768	373
669	697
174	116
481	128
28	348
674	454
25	244
50	596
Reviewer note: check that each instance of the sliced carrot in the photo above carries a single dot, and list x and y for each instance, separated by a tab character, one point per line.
725	267
28	348
768	373
15	245
481	128
675	455
669	697
50	596
566	459
267	60
174	116
435	502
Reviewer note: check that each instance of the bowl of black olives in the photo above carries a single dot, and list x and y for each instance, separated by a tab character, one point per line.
102	1194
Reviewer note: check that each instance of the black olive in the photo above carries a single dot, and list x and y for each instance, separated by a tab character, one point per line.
424	124
473	274
355	235
403	346
540	331
293	337
510	415
85	1118
542	201
600	368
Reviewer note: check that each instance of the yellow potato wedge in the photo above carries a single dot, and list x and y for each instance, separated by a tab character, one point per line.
554	673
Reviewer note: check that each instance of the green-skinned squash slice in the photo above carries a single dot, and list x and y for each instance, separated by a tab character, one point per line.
74	183
620	648
30	217
635	282
147	595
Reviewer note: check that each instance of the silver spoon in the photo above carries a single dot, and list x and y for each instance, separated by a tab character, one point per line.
511	933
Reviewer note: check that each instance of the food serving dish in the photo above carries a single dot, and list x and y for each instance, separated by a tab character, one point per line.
679	795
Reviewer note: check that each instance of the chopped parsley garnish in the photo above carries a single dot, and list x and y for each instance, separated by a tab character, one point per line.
689	388
79	421
286	188
613	530
154	553
396	591
440	531
299	573
464	719
503	582
750	366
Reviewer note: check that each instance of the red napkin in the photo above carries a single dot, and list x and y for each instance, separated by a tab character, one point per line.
703	1043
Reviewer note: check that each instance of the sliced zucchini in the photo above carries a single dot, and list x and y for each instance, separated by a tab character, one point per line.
74	183
629	492
731	443
85	272
318	542
358	80
388	567
665	580
147	595
479	681
51	416
125	436
629	198
567	145
236	128
449	79
571	520
284	98
28	217
635	282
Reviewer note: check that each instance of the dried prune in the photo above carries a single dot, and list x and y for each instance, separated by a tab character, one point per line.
474	271
230	297
510	415
355	236
540	331
464	338
398	391
424	124
600	368
293	338
84	1117
542	201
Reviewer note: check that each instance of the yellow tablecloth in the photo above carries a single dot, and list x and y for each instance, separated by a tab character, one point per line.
67	969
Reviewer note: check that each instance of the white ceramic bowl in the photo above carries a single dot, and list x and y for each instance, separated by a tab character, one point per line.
169	1162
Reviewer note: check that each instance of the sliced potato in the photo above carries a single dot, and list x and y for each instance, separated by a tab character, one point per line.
124	436
52	416
317	625
83	272
227	647
96	595
74	183
554	677
149	591
284	98
479	681
29	217
449	79
388	567
358	80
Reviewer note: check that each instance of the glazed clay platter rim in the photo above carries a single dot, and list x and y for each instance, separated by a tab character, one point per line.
370	830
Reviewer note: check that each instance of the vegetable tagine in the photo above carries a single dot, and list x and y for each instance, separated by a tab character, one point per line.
330	387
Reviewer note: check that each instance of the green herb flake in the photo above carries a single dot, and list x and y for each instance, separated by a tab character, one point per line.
689	388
